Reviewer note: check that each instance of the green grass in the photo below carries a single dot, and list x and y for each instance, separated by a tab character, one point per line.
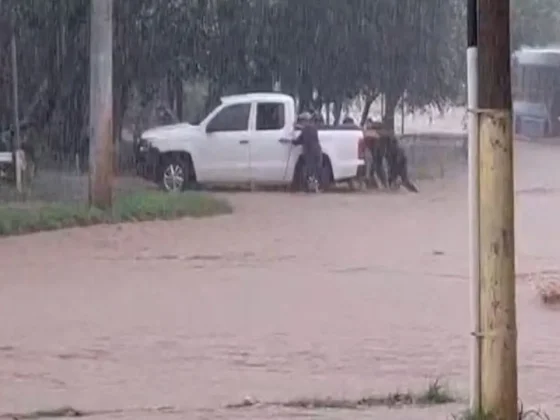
522	414
21	218
435	394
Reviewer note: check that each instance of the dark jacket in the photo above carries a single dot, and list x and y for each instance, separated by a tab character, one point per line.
309	139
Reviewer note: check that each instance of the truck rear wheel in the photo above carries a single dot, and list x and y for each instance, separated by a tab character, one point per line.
299	182
327	177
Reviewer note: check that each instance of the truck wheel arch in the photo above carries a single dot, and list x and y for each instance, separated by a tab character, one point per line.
177	156
327	173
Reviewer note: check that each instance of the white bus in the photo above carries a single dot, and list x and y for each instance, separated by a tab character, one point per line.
536	92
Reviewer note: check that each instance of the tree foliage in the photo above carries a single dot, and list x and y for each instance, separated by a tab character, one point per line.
324	52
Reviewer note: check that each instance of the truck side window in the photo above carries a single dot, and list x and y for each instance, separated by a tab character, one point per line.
231	118
270	116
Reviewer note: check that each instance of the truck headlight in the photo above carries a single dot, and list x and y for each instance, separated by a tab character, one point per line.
143	145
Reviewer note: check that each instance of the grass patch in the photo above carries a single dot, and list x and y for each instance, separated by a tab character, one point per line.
435	394
70	412
62	412
20	218
522	415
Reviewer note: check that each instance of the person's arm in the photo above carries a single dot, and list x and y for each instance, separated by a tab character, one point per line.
299	140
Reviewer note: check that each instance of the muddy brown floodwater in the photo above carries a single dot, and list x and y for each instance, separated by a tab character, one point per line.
292	296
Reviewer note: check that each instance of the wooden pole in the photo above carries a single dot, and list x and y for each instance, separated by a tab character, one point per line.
497	248
101	149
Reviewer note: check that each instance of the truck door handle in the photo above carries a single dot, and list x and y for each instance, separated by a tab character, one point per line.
285	141
243	141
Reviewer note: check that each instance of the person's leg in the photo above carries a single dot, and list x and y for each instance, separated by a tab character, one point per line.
378	165
311	171
307	168
369	175
393	169
317	172
403	173
393	176
320	173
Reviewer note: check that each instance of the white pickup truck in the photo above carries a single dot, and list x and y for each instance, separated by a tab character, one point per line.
247	139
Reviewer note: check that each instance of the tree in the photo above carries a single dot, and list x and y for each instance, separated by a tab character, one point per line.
324	52
535	22
421	60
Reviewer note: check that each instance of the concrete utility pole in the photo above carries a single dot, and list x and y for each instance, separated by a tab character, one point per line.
474	200
497	238
101	148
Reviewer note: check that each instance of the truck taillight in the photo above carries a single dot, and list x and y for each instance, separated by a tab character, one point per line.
361	149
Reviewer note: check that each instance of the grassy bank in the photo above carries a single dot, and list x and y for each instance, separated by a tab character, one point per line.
435	394
28	217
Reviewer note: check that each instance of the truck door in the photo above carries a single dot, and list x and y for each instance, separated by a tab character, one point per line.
270	145
224	155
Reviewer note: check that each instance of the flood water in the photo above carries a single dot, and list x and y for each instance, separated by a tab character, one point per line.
339	295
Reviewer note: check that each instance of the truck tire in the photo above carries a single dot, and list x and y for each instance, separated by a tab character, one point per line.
299	183
327	177
174	174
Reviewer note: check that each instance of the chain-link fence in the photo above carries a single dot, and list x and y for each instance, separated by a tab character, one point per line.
435	155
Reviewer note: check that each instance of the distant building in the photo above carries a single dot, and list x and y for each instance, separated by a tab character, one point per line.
536	92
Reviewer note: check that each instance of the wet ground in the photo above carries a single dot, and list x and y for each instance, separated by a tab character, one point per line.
292	296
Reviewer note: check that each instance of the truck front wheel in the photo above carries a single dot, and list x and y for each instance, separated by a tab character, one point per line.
174	174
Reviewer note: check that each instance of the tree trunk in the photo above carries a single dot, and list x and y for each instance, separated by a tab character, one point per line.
170	90
179	98
318	103
120	105
337	112
391	102
215	90
367	106
305	93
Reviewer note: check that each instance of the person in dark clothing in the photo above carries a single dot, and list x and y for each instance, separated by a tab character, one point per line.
376	142
312	153
317	118
398	165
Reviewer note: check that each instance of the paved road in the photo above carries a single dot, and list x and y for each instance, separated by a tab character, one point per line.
291	296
